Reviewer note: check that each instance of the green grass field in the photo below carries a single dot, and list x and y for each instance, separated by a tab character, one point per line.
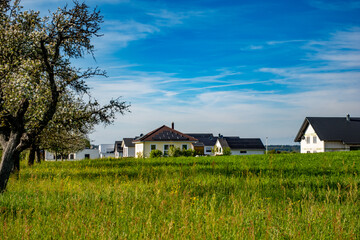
285	196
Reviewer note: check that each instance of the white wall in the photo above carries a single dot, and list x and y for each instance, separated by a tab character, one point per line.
311	147
336	146
129	152
92	153
247	152
106	150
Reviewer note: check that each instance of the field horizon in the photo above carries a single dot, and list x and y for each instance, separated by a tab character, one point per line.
274	196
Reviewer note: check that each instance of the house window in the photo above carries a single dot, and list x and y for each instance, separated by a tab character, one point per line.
307	151
308	140
208	149
87	156
71	156
314	151
184	147
153	147
166	150
243	151
314	139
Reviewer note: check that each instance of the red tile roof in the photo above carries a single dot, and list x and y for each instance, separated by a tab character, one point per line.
164	133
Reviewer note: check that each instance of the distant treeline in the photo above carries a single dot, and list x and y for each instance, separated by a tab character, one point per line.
284	148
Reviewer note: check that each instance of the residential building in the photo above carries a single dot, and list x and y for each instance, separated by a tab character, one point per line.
92	153
128	147
239	146
205	143
118	150
328	134
106	150
162	138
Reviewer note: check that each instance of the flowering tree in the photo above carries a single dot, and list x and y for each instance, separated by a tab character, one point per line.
37	77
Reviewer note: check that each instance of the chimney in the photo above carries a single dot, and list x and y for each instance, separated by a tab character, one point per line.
348	117
172	125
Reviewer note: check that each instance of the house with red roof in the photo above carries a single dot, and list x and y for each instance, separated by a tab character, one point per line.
162	139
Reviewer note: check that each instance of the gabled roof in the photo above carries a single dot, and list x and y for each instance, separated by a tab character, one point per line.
128	142
241	143
207	139
164	133
333	129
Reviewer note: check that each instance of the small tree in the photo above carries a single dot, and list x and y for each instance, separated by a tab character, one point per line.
227	151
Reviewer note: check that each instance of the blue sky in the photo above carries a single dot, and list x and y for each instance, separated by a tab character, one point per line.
241	68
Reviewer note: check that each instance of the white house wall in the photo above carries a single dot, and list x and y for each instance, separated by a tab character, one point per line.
145	148
93	154
129	151
246	152
336	146
311	147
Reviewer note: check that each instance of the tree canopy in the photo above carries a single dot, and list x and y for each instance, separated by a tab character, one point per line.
39	86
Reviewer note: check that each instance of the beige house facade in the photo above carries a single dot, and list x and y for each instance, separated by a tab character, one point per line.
162	138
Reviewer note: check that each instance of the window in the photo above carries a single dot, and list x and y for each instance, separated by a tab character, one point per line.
307	151
71	156
314	139
184	147
166	150
208	149
152	147
243	151
87	156
314	151
308	140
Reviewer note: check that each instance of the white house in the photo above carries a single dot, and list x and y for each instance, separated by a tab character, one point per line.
83	154
239	146
328	134
106	150
128	147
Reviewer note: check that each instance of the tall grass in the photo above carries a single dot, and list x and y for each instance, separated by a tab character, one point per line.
293	196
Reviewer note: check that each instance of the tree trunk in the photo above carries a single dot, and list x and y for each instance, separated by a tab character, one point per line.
16	157
38	155
7	160
31	159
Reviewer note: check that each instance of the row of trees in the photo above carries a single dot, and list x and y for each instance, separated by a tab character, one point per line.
44	99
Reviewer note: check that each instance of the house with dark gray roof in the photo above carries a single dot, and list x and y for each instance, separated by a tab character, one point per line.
162	139
239	146
118	150
205	143
328	134
128	147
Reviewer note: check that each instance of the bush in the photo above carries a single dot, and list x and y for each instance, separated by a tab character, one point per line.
174	152
156	153
227	151
188	153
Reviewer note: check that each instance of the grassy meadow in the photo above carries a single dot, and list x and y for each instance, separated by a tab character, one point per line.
284	196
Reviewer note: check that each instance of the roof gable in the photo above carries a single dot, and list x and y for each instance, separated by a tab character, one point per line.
164	133
128	142
332	129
